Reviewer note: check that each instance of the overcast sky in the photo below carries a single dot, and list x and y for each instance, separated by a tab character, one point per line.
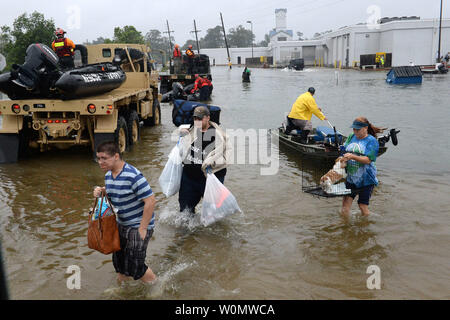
89	19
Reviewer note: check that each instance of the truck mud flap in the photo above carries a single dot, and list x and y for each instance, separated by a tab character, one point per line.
9	148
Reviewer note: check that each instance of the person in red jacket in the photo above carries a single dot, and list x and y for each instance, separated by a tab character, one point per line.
64	48
177	52
177	59
203	85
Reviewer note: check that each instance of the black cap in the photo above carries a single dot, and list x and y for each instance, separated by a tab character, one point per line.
311	90
201	112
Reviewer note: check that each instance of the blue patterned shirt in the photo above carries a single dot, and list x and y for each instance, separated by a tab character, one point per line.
127	192
360	174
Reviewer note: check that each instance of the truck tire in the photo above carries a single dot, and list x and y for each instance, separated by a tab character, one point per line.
133	128
121	134
156	119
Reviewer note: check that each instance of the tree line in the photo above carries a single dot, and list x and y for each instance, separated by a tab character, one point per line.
34	28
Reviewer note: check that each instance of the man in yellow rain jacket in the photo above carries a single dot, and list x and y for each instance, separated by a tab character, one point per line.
301	113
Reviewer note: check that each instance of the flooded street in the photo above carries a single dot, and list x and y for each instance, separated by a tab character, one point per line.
287	244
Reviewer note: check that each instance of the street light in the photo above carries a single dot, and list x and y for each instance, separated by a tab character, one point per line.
251	25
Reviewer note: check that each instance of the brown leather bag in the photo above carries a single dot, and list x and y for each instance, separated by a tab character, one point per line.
103	233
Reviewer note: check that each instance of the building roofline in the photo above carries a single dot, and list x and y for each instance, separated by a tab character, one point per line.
387	26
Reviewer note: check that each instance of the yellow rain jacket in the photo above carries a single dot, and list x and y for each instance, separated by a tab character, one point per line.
304	107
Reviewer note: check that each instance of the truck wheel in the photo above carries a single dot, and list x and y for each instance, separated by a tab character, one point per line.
156	119
133	128
121	134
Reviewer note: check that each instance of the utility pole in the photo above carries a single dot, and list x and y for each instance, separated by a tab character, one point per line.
226	43
251	24
439	45
170	38
196	37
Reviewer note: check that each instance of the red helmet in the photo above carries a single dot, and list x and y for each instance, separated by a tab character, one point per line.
59	32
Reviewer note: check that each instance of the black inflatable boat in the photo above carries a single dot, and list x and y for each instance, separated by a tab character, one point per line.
90	80
40	77
179	92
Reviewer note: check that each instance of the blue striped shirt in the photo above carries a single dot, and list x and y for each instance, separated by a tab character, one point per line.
126	193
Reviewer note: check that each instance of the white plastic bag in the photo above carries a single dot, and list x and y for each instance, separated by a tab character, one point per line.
170	179
218	202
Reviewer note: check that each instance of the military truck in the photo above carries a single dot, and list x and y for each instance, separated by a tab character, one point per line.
116	115
179	72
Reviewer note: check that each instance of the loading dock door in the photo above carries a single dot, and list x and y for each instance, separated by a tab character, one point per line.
309	55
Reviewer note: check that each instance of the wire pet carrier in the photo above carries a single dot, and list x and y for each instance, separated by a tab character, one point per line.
311	175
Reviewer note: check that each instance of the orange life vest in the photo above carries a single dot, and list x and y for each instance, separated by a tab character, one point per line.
177	53
200	83
63	47
190	53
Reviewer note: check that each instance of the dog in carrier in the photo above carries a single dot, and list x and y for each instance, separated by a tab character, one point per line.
334	175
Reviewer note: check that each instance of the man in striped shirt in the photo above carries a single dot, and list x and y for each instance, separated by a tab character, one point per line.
134	201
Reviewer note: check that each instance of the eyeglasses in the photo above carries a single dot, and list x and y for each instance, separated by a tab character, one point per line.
198	118
103	159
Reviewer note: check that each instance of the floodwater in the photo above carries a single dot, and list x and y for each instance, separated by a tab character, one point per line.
286	244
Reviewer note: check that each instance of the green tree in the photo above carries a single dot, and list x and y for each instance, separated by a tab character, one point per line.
5	39
265	42
213	38
26	30
128	34
240	37
190	42
101	40
159	44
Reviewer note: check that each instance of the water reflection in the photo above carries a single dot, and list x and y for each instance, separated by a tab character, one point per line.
288	244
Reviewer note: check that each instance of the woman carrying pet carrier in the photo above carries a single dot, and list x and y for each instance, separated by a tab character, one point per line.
361	150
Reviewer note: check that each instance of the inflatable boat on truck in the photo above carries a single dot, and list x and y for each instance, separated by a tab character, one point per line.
87	118
40	77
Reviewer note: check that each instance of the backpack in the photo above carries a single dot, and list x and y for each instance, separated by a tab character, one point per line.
183	112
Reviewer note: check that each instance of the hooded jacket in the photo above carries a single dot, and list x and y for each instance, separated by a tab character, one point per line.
218	158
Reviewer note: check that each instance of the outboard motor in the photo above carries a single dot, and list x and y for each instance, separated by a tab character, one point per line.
393	134
177	91
39	59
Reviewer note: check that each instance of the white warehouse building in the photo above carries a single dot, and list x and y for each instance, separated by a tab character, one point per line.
407	39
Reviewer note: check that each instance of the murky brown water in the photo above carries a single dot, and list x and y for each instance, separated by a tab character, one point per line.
287	244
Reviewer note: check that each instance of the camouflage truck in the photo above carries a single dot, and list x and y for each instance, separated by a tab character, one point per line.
116	115
178	72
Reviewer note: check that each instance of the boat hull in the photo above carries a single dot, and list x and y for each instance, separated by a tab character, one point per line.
90	80
313	150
